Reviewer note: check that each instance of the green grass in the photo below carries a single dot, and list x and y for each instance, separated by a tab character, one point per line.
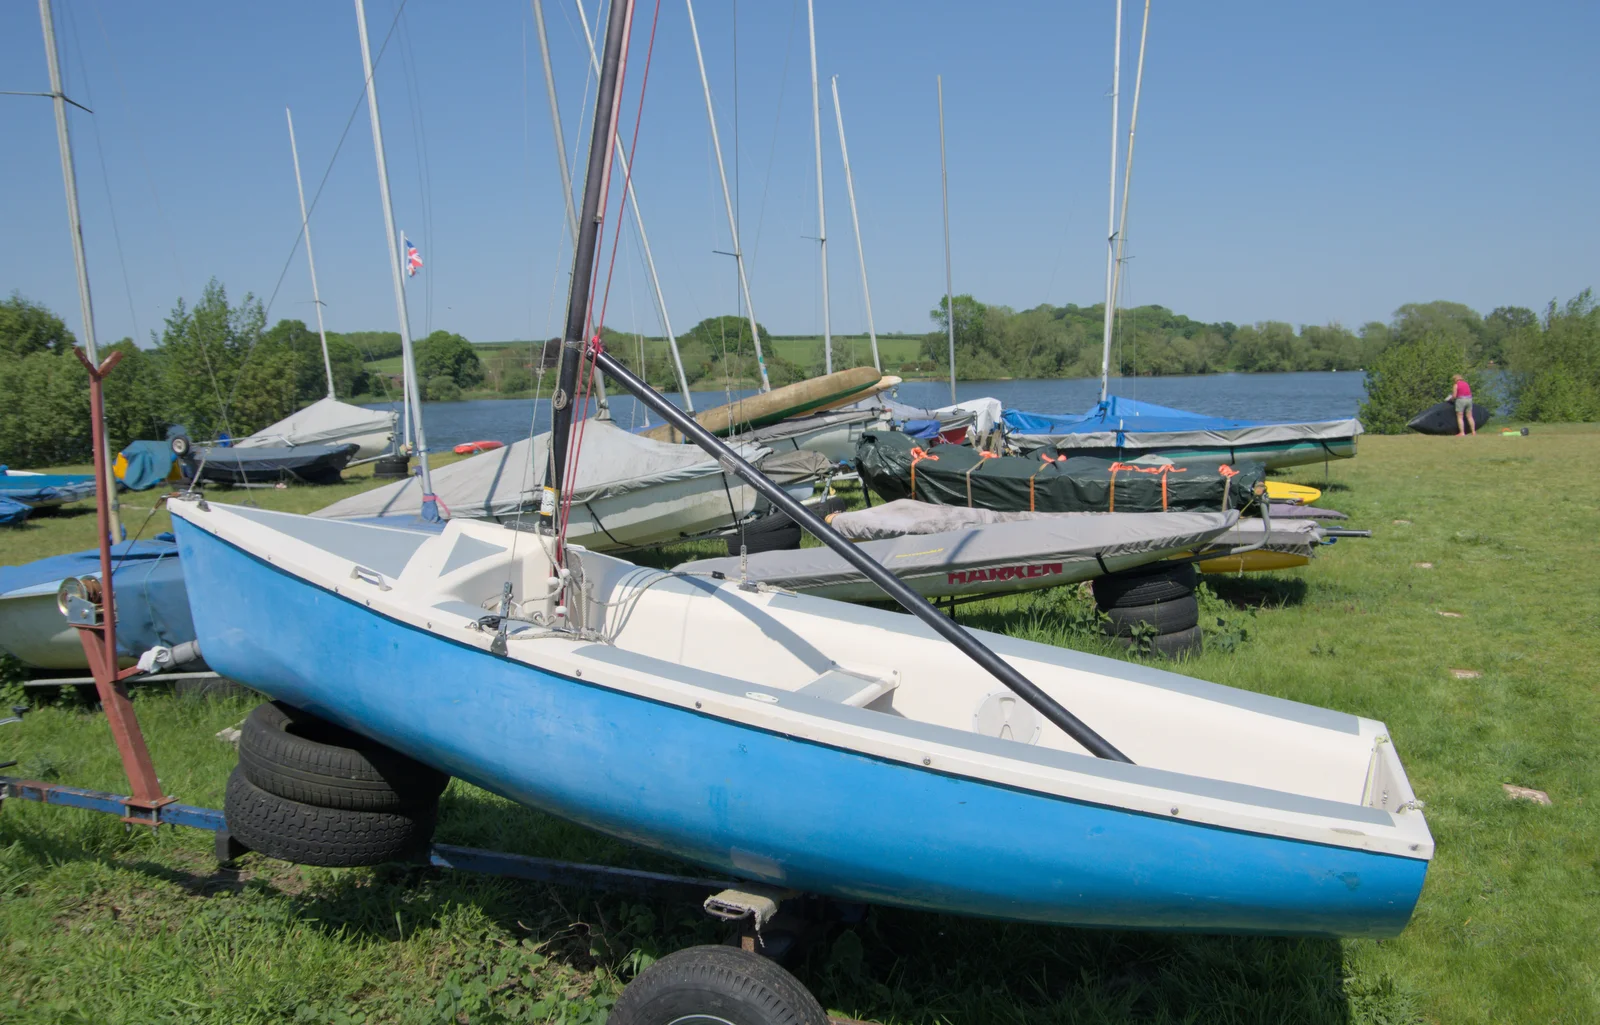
101	925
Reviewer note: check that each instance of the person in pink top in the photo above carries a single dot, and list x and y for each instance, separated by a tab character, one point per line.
1461	395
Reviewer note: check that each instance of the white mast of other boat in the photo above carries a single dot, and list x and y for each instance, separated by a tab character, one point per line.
855	221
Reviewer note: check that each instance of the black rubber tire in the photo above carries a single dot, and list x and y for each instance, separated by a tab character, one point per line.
1144	585
180	446
307	835
392	467
723	985
1167	617
295	755
1180	644
775	532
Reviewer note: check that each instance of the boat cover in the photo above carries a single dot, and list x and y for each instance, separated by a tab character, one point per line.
506	481
895	466
12	513
1441	418
152	603
984	414
1129	424
315	464
1293	511
34	489
984	558
796	426
144	464
326	421
1297	537
795	467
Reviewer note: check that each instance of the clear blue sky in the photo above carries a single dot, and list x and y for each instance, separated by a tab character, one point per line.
1301	162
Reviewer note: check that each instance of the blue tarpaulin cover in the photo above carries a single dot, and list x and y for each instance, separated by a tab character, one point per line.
148	463
45	488
1128	423
12	513
152	605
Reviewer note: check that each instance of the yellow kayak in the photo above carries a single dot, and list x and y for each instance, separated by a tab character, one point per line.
1283	491
1258	561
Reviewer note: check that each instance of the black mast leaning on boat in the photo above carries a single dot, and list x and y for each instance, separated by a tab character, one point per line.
573	337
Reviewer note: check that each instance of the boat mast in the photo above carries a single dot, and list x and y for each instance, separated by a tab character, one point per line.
69	178
566	176
949	288
1127	173
430	506
727	199
638	222
861	256
822	211
1111	214
575	338
305	228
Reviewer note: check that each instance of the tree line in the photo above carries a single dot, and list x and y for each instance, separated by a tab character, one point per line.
1066	341
216	369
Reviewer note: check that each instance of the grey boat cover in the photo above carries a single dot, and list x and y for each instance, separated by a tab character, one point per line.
986	558
504	482
324	422
1291	511
1295	537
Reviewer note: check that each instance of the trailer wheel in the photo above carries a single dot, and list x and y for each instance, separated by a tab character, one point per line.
1144	585
295	755
307	835
716	986
1166	616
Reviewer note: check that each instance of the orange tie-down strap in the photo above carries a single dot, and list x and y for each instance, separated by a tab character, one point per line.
918	454
1164	469
1048	461
982	456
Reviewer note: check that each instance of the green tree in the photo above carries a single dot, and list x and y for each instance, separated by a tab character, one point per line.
202	349
441	389
1499	327
971	323
1555	367
1411	376
443	354
26	328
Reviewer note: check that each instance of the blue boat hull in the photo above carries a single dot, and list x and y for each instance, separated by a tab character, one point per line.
761	805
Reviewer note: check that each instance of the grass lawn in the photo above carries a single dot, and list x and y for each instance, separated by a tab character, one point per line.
101	925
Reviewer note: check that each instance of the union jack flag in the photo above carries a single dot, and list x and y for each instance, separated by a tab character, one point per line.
413	258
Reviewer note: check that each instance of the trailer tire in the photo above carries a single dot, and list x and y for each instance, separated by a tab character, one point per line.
1144	585
1166	616
1177	645
305	834
297	756
716	984
392	467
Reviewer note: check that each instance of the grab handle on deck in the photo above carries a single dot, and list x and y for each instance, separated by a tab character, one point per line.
908	599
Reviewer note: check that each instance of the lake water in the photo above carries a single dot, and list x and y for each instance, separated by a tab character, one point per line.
1306	396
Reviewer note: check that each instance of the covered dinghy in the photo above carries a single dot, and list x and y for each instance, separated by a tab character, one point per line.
329	422
630	490
1046	550
152	604
895	466
43	490
1126	427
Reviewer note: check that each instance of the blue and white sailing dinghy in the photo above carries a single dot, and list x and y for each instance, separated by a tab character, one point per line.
810	744
1126	428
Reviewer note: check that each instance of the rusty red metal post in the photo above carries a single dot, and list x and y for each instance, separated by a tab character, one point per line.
100	641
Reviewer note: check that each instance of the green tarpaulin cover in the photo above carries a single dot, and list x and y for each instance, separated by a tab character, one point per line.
895	465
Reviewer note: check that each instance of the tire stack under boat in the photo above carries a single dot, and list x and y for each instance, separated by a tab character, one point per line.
1152	609
312	793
